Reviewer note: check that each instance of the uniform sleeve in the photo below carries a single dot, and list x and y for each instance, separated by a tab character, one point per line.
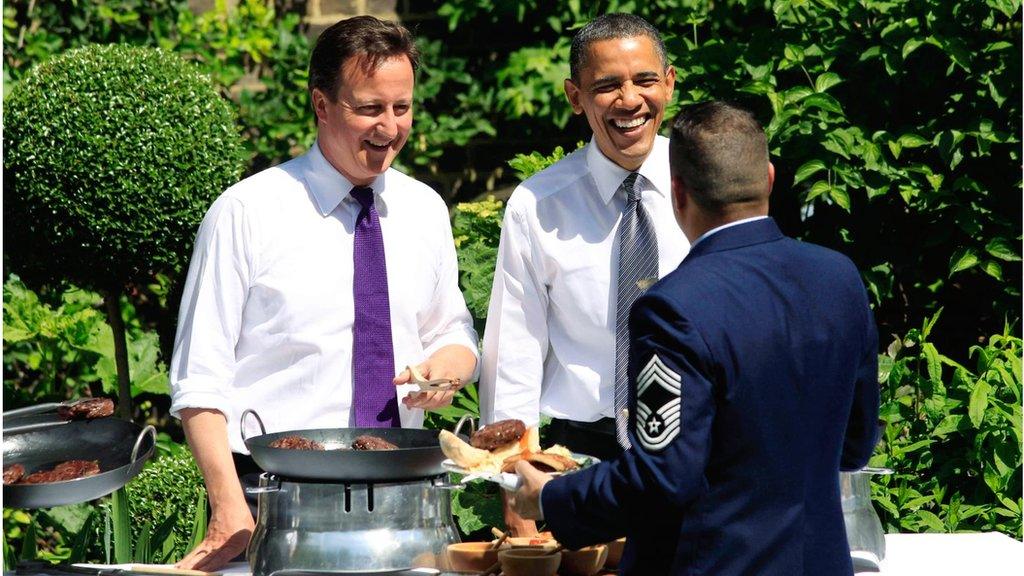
448	321
210	318
516	336
862	427
672	409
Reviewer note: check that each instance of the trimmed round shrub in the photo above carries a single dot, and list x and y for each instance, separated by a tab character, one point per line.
113	154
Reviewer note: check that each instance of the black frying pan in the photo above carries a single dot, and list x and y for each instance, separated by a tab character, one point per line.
121	447
419	454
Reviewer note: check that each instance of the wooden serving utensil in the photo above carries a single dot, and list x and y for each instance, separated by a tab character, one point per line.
501	540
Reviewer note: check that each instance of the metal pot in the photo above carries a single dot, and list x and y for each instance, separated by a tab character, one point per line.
863	528
350	527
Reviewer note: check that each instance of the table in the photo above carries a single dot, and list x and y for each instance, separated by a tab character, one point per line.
979	554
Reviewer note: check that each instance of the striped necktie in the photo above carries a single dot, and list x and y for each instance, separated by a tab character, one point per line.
638	266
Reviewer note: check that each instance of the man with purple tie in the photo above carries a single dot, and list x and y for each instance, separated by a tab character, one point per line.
315	282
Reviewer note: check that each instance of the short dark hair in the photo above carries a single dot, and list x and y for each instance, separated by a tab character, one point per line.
720	153
610	27
371	39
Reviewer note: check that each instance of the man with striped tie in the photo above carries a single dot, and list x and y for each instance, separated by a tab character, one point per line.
316	282
580	241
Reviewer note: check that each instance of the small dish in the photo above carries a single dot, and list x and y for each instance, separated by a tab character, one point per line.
529	562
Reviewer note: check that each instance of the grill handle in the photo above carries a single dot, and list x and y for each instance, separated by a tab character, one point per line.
462	421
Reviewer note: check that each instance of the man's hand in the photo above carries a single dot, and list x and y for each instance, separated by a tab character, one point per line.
452	361
226	537
526	500
426	400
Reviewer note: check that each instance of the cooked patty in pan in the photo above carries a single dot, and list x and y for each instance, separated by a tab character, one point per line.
87	409
13	473
69	470
296	443
367	442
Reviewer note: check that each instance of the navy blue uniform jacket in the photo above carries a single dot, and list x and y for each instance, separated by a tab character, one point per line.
754	371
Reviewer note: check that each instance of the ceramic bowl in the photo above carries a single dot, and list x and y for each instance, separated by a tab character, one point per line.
615	548
472	556
583	562
528	562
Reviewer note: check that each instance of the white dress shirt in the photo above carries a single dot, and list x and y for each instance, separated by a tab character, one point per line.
549	346
267	313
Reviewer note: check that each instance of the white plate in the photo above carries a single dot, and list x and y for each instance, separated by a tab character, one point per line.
508	480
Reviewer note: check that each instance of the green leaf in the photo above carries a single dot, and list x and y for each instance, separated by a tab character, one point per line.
1007	7
978	403
933	362
121	526
1003	249
826	81
840	196
932	521
913	141
910	45
820	187
963	259
808	169
823	101
993	269
198	521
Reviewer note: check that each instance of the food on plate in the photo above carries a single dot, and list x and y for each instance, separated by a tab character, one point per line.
544	462
13	473
491	447
296	443
69	470
87	409
499	434
367	442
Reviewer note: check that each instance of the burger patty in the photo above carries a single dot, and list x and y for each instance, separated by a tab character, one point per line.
498	434
296	443
13	473
87	409
69	470
367	442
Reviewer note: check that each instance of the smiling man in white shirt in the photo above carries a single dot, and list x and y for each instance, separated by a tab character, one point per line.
315	282
579	242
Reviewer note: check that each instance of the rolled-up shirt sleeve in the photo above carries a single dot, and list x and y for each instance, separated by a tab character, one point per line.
516	337
447	321
210	319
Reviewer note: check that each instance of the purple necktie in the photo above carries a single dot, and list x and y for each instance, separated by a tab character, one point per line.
374	397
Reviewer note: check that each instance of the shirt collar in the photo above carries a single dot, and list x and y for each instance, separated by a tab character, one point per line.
329	187
609	176
723	227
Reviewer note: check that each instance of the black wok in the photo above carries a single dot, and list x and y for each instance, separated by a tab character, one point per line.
418	455
121	447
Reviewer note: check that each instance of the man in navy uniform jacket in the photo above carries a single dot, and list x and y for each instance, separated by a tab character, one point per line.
754	382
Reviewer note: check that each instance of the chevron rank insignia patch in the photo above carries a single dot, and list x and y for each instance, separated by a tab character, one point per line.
658	404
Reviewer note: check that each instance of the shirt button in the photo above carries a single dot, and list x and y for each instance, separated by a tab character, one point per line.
625	413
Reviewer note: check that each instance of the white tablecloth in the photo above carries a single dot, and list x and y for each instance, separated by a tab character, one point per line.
984	554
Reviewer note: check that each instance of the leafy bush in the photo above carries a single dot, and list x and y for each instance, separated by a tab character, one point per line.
113	155
56	354
953	436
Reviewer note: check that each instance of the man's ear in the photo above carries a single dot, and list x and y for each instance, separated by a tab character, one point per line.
771	177
319	103
678	194
572	94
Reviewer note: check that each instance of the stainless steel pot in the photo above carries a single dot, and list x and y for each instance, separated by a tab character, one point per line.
349	527
863	528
